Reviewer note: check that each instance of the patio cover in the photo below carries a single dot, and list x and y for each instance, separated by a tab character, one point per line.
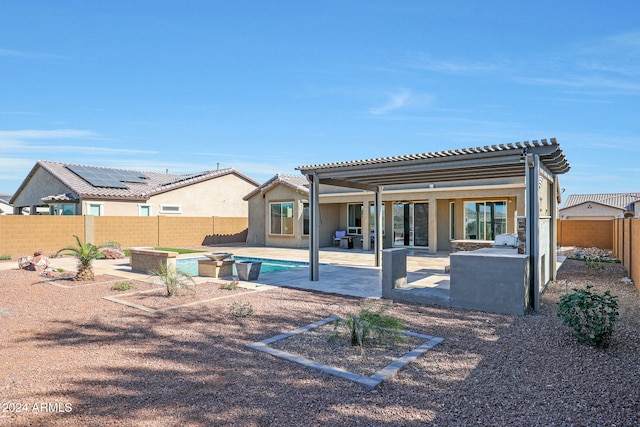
521	159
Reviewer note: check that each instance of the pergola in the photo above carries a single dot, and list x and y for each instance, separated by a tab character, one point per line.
528	160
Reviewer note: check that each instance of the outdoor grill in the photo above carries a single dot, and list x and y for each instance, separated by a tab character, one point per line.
506	241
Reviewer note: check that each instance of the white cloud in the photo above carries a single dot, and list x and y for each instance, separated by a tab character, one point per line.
446	66
27	55
394	102
45	134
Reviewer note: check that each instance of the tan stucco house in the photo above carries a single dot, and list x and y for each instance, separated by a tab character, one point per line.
73	189
601	206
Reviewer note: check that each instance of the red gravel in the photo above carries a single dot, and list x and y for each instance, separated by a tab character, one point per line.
70	357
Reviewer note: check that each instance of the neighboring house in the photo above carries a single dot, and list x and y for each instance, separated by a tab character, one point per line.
5	206
72	189
601	206
475	203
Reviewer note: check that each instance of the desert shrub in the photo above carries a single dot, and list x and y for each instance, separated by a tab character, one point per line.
3	312
121	286
231	286
591	315
5	257
371	322
592	259
173	279
239	310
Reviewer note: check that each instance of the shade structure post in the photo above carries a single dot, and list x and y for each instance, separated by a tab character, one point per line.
314	229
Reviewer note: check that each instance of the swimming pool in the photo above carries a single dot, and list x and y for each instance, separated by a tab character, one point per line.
190	265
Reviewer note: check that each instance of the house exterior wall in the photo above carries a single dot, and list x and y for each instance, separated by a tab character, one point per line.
221	196
256	235
42	184
283	193
441	198
591	211
334	211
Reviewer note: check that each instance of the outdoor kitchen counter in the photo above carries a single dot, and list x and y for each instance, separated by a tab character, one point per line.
494	279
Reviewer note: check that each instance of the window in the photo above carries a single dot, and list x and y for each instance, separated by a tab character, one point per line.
281	218
485	220
305	219
170	209
354	213
62	209
94	209
144	210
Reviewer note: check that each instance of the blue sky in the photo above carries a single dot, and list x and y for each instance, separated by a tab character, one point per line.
265	86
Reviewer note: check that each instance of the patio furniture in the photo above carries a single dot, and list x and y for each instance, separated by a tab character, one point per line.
337	238
346	242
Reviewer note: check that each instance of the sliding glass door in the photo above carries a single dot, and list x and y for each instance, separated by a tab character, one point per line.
410	224
485	220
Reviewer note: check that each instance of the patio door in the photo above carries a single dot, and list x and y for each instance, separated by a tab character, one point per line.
410	224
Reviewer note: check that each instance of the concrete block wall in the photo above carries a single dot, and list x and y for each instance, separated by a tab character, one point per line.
126	230
183	231
228	230
627	246
23	234
586	233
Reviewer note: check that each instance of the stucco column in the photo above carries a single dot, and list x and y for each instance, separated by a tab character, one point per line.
433	225
366	242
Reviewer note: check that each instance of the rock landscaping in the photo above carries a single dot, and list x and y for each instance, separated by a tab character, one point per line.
70	357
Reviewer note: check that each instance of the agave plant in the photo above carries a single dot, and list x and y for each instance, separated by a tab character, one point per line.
86	253
173	279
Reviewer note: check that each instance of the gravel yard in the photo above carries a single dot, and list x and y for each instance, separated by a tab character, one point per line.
69	357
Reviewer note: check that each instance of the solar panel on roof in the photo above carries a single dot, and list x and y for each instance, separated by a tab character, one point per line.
106	177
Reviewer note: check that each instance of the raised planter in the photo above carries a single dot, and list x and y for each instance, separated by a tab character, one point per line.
248	270
148	260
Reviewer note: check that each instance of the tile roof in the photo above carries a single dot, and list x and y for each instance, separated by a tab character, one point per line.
616	200
297	182
154	184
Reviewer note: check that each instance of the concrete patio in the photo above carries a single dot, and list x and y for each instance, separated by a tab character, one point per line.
342	271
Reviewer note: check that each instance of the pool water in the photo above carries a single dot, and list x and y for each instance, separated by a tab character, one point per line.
190	265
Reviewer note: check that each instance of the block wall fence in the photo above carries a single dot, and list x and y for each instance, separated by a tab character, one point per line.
626	246
620	235
24	234
586	233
